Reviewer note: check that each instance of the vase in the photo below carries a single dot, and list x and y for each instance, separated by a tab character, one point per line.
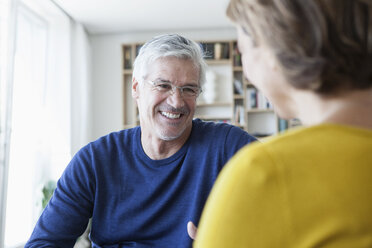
217	51
209	91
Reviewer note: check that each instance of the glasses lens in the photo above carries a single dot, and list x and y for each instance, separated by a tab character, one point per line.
186	91
163	86
190	91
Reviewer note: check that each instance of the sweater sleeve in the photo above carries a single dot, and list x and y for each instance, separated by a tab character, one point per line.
247	205
236	138
67	214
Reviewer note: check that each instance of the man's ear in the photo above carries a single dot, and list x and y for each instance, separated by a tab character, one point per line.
135	88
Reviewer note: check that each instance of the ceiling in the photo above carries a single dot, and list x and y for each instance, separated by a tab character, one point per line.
118	16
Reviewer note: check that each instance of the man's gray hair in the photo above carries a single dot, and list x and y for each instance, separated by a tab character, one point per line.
169	45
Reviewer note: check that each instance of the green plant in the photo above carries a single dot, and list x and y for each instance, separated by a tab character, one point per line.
48	191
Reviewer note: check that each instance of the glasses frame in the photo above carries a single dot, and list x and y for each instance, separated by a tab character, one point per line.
155	85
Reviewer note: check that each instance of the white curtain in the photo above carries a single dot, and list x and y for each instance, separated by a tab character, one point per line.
81	90
7	24
48	115
40	137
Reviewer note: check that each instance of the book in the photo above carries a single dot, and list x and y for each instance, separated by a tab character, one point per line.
251	98
238	87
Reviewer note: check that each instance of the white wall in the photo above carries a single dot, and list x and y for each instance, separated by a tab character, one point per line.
81	87
107	111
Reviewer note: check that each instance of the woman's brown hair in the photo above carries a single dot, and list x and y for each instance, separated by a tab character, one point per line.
321	45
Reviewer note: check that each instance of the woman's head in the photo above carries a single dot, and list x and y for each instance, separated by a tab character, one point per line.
319	45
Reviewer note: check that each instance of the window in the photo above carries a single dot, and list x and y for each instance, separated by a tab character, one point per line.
40	137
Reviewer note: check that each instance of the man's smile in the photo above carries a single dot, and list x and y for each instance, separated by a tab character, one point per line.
170	115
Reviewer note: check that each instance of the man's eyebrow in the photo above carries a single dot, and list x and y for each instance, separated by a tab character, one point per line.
162	80
193	84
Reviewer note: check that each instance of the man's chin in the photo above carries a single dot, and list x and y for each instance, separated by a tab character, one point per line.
168	136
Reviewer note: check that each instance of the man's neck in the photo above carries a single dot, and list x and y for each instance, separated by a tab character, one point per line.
157	148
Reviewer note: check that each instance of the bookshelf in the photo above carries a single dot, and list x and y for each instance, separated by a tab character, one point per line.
227	95
130	115
219	106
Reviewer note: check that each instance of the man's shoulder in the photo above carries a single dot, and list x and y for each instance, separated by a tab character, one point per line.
216	130
125	133
216	127
116	138
211	126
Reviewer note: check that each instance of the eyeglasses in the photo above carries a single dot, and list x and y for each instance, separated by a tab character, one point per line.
167	87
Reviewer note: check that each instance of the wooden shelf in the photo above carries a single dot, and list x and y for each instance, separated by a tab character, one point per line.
239	125
215	104
238	68
256	110
238	96
210	117
129	126
218	61
127	71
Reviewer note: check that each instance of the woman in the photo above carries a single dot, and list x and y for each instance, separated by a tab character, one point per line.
312	186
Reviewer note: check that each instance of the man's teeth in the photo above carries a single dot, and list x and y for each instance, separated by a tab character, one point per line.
170	115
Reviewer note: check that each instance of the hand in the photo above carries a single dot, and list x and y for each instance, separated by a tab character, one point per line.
191	230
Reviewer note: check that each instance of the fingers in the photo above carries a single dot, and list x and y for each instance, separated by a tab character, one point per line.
191	230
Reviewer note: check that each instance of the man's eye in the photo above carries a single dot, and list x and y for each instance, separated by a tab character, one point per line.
164	86
190	90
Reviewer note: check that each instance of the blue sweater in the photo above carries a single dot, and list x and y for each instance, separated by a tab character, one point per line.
135	201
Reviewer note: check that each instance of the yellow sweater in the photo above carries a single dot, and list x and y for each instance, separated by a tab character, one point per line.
310	187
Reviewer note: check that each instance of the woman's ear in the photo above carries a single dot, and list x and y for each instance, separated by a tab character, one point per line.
135	88
272	62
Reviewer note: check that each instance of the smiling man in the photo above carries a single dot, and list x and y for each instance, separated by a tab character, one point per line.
142	186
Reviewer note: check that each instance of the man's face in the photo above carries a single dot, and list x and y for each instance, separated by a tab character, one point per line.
166	115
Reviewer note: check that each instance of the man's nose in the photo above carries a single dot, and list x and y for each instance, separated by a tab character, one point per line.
175	99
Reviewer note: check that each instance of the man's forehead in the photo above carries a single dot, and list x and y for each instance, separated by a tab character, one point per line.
167	69
170	59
